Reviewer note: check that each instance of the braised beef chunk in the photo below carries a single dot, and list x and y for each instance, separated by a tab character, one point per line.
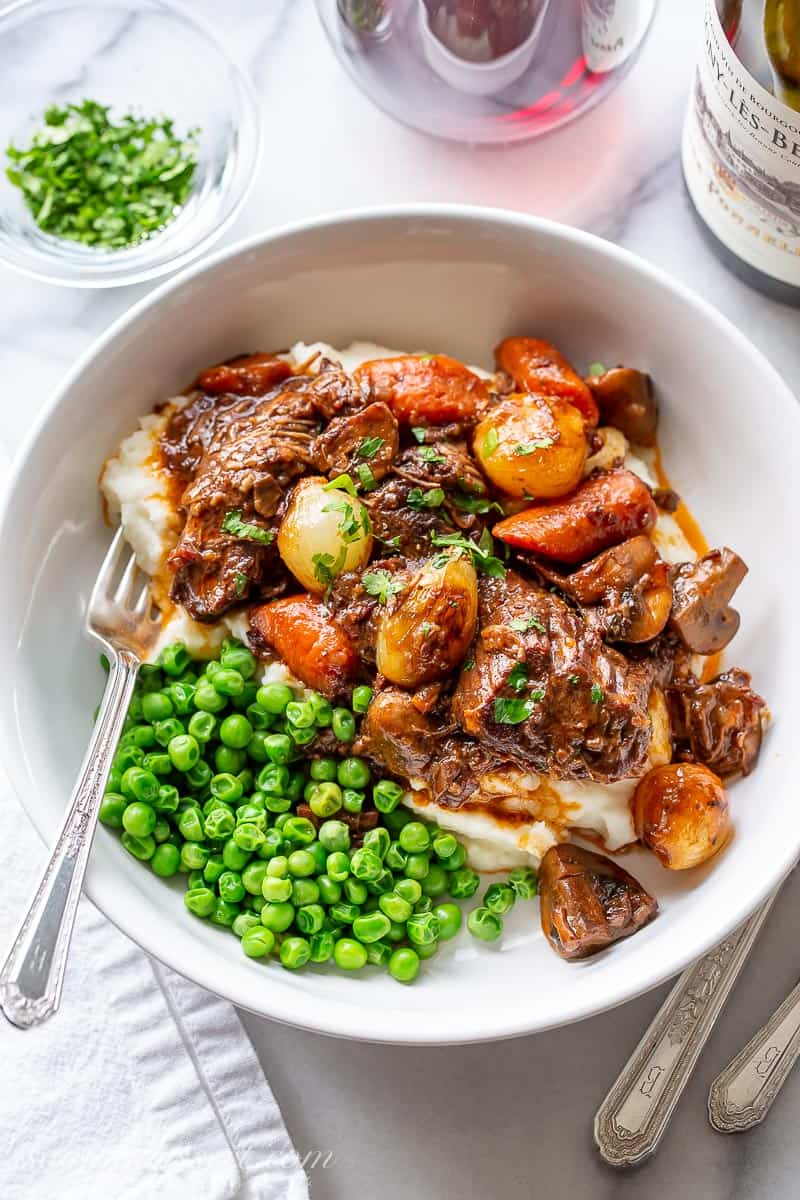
400	526
702	591
718	724
546	693
356	610
368	439
333	392
247	452
588	902
627	401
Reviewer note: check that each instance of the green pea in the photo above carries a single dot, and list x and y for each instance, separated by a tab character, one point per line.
277	804
278	867
276	890
193	857
304	892
184	751
214	868
111	809
370	927
230	887
234	857
435	882
142	735
309	918
166	730
323	770
322	945
166	860
142	848
484	924
396	857
464	883
404	964
256	903
326	799
259	719
200	901
140	785
383	883
417	866
456	860
523	881
245	921
174	659
168	799
236	657
397	932
342	913
252	813
330	892
200	776
300	714
139	819
277	916
182	697
159	764
355	891
352	801
274	697
422	928
201	726
378	840
246	779
409	889
258	942
224	912
248	837
125	758
256	750
228	761
361	698
207	698
428	951
150	677
499	898
195	880
444	845
338	865
156	706
349	955
301	863
300	831
228	682
343	724
219	823
365	865
386	795
449	918
253	877
274	778
191	825
414	838
394	906
353	773
302	737
334	835
226	787
379	953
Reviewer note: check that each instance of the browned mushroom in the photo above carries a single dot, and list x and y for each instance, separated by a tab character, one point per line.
626	400
588	902
718	723
701	594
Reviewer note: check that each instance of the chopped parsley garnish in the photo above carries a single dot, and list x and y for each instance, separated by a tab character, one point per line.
343	483
490	443
426	629
105	183
234	525
574	679
596	694
469	664
419	432
381	585
240	581
514	712
430	454
518	678
523	624
370	447
475	504
426	357
392	543
366	477
355	522
326	567
434	498
529	447
597	368
482	553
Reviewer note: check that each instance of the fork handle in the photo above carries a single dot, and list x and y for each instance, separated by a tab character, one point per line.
32	976
742	1095
632	1119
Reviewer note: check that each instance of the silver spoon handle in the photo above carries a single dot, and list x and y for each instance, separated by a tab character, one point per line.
32	976
742	1094
632	1119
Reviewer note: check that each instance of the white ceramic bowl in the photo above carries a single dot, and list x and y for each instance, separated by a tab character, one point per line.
455	280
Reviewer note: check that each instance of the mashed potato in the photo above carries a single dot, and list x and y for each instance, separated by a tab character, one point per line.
528	813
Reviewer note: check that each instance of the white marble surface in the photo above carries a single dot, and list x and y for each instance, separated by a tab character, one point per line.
512	1119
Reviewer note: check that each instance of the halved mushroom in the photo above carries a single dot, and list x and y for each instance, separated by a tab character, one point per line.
626	400
701	594
588	902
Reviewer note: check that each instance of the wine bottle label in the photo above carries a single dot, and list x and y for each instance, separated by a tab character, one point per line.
741	160
611	31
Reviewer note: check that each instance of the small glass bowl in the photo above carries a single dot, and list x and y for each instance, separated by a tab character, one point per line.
142	56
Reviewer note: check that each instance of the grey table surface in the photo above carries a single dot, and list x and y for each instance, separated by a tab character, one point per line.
509	1119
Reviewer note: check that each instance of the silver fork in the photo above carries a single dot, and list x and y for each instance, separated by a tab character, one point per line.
119	616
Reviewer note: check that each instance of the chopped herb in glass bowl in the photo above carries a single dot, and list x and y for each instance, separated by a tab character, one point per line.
100	180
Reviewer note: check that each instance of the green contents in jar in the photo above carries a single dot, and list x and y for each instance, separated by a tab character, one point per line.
103	181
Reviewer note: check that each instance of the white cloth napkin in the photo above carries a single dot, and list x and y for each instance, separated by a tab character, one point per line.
142	1085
